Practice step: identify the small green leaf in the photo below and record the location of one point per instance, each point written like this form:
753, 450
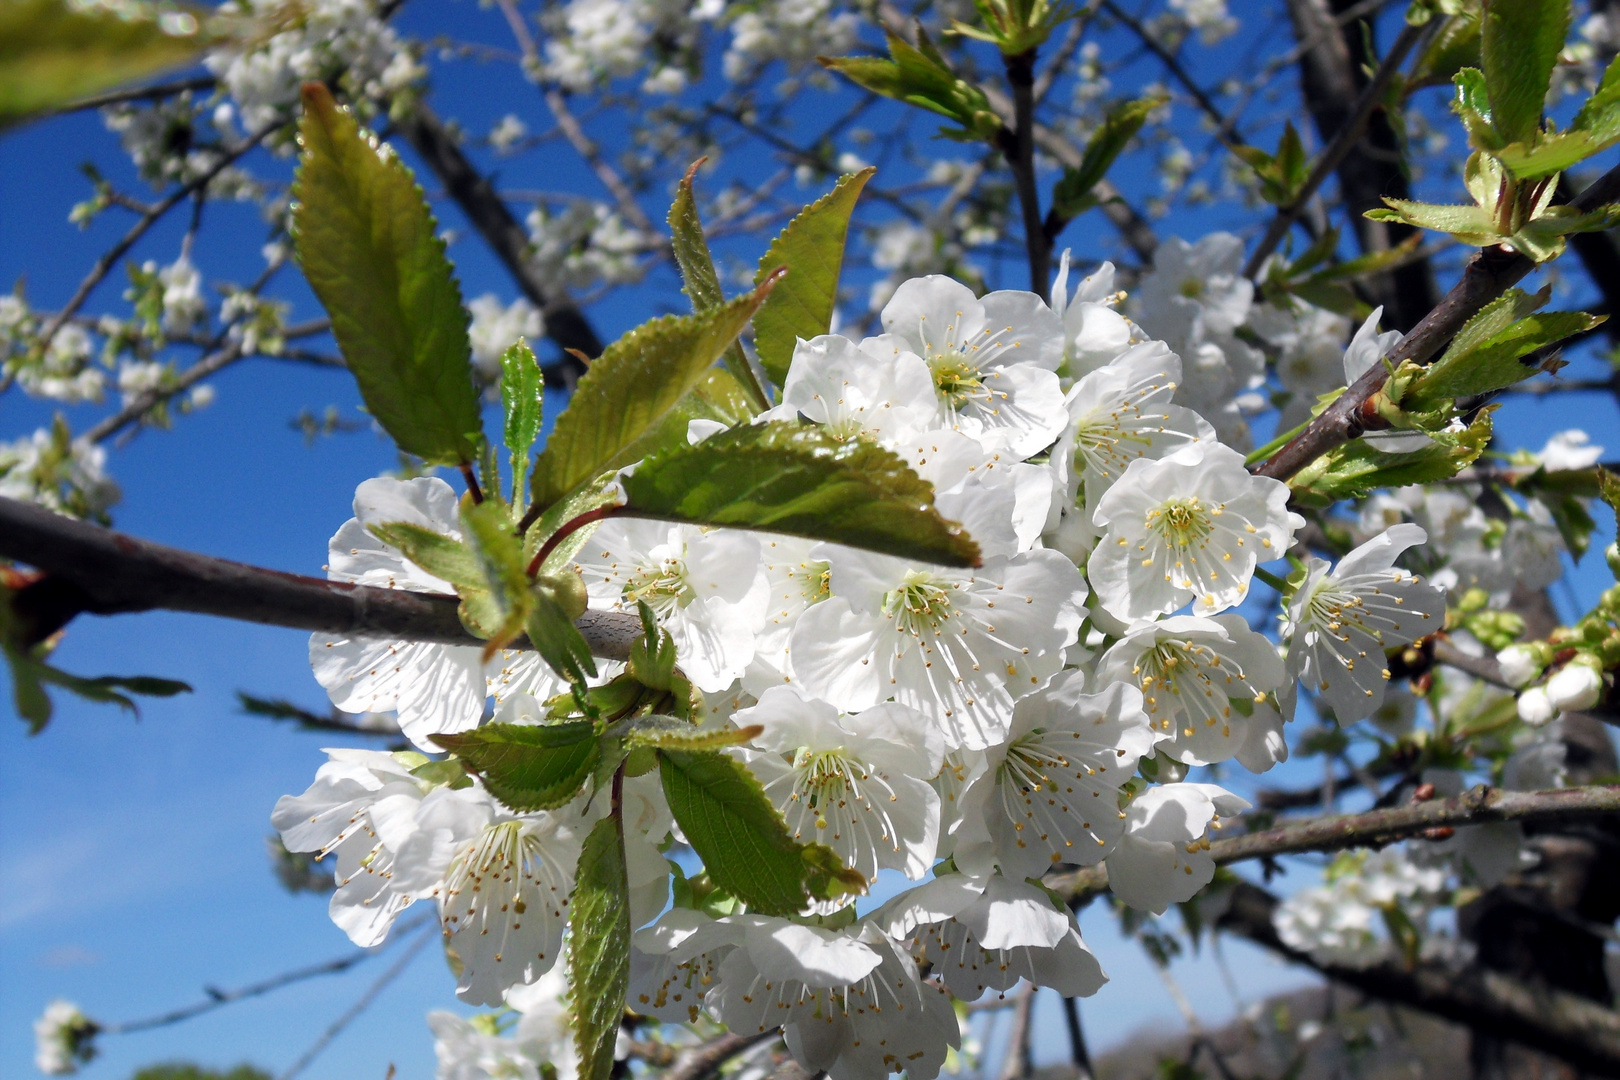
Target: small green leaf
652, 655
672, 733
1471, 224
499, 554
796, 479
742, 840
1356, 468
438, 554
599, 947
630, 388
1494, 363
1073, 194
1608, 483
1519, 45
28, 676
691, 251
812, 246
55, 52
523, 396
552, 632
528, 766
1600, 115
1472, 105
1455, 46
368, 244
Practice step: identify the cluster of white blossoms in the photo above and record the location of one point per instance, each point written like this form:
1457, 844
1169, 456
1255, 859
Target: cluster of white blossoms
495, 327
969, 730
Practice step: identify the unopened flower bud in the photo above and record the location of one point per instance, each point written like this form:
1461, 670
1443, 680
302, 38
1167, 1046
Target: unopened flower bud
1612, 554
1535, 708
1575, 687
1519, 664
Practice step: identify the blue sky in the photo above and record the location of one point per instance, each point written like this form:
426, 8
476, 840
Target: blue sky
132, 865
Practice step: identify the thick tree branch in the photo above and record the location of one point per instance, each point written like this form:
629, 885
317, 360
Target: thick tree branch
1489, 273
1569, 1027
566, 325
95, 570
1476, 806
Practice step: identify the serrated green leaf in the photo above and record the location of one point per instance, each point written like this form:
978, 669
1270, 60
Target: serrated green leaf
1469, 223
1519, 45
1454, 47
1073, 194
523, 398
702, 283
553, 634
599, 947
672, 733
503, 576
797, 479
1472, 105
55, 52
528, 766
1494, 363
1608, 485
1552, 154
1355, 468
652, 655
1492, 319
631, 386
742, 840
438, 554
812, 246
1600, 114
368, 244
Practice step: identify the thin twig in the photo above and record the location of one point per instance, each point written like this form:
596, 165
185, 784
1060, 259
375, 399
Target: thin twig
360, 1006
1344, 141
110, 257
1489, 273
1018, 146
218, 999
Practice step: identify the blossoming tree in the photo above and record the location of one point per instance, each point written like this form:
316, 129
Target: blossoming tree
986, 599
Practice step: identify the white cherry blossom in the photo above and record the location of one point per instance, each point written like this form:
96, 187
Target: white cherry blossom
858, 784
1191, 526
437, 689
1163, 858
1094, 334
959, 646
1121, 412
1050, 794
1366, 349
1208, 685
993, 361
987, 933
361, 808
850, 1003
878, 389
1340, 623
706, 588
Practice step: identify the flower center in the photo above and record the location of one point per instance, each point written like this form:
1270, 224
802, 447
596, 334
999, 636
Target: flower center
662, 586
919, 604
1192, 288
956, 379
1180, 522
1028, 760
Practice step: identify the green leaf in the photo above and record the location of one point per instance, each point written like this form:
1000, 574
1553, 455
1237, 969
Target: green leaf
742, 840
672, 733
369, 247
553, 634
1600, 115
1552, 154
503, 583
1495, 362
528, 766
1608, 483
812, 246
28, 676
1455, 46
55, 52
630, 388
1519, 45
438, 554
1073, 194
1471, 224
1280, 175
599, 947
1355, 468
1473, 107
791, 478
652, 655
523, 401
